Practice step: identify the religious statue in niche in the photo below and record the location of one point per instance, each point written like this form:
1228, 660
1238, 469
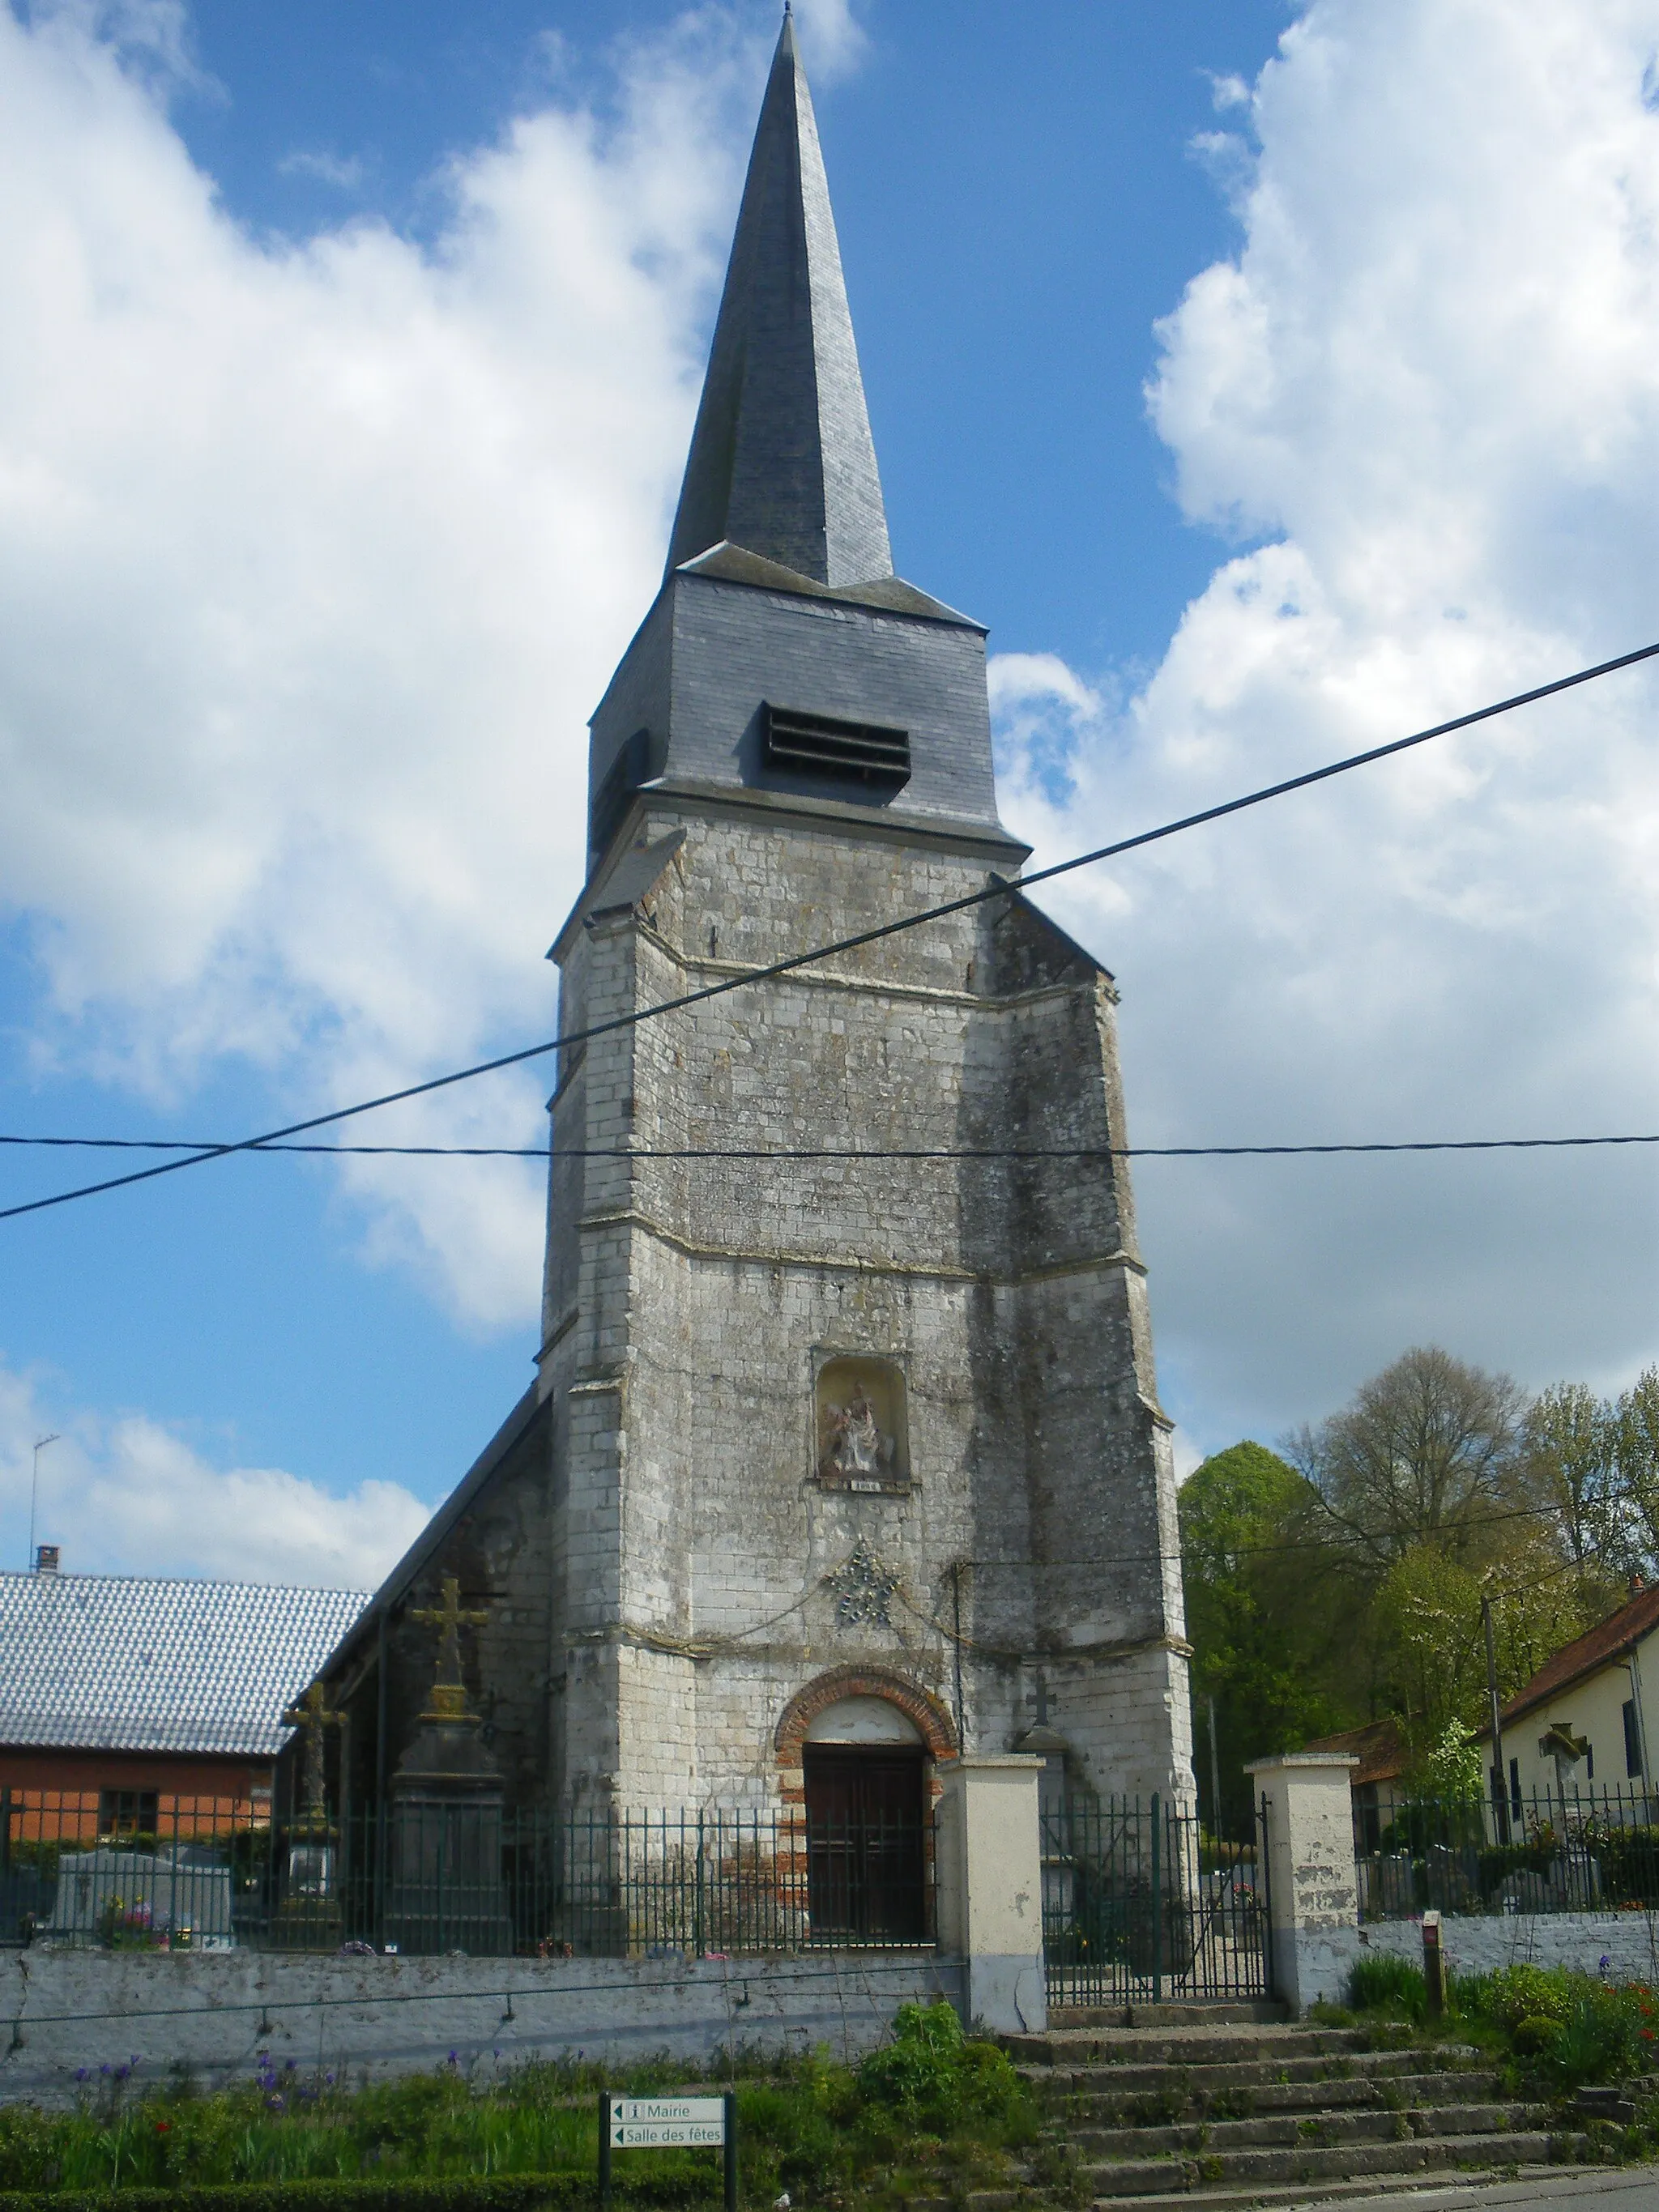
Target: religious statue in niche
861, 1425
855, 1444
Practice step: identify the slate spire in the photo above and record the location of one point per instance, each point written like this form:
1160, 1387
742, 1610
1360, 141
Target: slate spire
782, 460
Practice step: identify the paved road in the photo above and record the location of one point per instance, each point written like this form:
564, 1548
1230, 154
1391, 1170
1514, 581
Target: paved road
1623, 2189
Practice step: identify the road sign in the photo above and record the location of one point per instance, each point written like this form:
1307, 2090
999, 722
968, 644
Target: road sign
669, 2124
654, 2123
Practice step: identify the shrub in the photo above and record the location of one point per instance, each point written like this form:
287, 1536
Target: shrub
934, 2078
1600, 2040
1573, 2028
1513, 1994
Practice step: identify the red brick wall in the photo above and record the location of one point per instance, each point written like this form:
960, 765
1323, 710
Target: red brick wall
56, 1793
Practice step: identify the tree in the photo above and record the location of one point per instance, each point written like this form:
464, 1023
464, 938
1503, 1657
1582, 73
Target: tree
1635, 1447
1264, 1615
1570, 1442
1430, 1655
1427, 1454
1450, 1769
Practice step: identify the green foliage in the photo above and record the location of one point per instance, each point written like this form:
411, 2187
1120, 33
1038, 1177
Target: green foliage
543, 2193
807, 2126
1346, 1586
1565, 2029
936, 2079
1513, 1994
1571, 1437
1384, 1983
1629, 1860
1266, 1612
1427, 1621
1635, 1447
1604, 2038
1569, 2028
1451, 1771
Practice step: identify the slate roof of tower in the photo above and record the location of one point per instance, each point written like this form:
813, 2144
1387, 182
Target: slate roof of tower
122, 1663
782, 462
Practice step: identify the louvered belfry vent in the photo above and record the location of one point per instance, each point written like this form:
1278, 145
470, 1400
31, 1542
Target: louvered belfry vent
823, 744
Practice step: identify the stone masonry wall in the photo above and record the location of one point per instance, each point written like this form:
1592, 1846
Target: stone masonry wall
500, 1551
688, 1300
210, 2017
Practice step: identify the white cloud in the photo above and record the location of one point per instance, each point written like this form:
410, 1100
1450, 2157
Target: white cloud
121, 1493
344, 171
314, 557
1430, 377
833, 42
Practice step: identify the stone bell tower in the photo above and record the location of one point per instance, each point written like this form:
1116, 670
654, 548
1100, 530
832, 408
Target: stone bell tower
852, 1461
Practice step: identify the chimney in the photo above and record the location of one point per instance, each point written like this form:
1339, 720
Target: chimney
1637, 1585
46, 1558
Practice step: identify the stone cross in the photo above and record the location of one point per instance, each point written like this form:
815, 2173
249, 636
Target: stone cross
448, 1698
312, 1716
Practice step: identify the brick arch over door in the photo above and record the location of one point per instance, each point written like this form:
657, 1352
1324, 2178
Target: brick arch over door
932, 1720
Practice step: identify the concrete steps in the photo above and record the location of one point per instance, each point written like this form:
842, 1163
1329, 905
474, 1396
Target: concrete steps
1203, 2104
1156, 2103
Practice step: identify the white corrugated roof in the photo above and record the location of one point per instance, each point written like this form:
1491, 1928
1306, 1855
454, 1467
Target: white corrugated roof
124, 1663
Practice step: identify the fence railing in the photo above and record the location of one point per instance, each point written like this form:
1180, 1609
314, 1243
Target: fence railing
1140, 1903
432, 1876
1588, 1849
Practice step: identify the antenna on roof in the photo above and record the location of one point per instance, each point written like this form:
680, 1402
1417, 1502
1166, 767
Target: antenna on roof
40, 1444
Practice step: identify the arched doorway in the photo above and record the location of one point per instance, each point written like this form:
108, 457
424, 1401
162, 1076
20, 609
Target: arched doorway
864, 1772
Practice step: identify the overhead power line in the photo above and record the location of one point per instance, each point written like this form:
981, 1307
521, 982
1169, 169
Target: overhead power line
210, 1148
270, 1137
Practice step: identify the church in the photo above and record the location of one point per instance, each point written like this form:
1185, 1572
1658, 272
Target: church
844, 1454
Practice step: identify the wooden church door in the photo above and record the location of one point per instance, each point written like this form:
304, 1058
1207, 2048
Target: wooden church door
866, 1864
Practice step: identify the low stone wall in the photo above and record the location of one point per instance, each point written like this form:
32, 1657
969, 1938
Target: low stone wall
1324, 1957
1628, 1941
211, 2015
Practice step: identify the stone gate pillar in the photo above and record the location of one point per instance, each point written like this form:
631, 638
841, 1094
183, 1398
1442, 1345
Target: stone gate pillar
990, 1888
1311, 1875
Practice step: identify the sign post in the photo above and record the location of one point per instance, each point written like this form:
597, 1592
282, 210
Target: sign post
668, 2123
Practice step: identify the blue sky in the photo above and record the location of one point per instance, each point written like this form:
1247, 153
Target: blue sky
1018, 198
1263, 407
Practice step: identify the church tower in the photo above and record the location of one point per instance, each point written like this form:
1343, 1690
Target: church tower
847, 1462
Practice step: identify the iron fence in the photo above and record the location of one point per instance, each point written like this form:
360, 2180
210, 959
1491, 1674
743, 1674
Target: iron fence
1139, 1904
434, 1876
1588, 1849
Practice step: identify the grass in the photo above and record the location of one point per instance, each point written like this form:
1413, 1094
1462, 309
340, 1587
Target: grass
1548, 2031
931, 2107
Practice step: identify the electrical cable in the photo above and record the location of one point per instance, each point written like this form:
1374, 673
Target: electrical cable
799, 960
209, 1147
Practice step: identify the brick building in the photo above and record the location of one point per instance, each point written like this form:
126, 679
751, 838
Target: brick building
130, 1704
831, 1467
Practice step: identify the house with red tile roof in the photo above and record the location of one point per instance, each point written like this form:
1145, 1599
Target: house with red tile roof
1584, 1722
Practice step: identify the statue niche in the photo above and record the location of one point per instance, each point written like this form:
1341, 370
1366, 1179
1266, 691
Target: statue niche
860, 1420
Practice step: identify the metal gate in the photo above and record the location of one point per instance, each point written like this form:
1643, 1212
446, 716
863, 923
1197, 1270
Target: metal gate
1139, 1905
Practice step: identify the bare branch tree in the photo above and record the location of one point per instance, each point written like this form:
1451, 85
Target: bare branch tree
1428, 1453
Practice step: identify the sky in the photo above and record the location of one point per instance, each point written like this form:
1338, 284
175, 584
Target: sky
1272, 379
